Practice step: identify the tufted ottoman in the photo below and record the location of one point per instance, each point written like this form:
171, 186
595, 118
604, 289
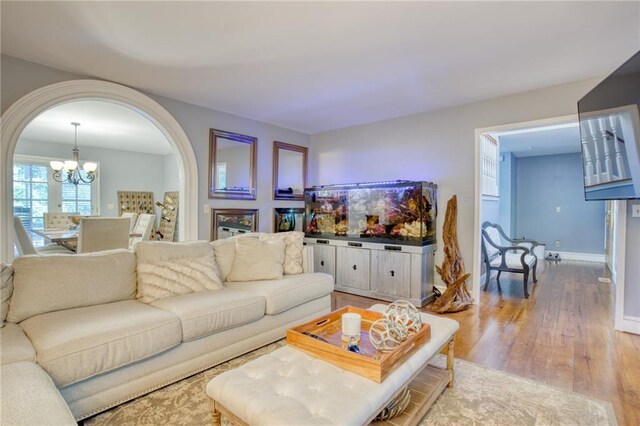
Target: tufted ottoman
289, 387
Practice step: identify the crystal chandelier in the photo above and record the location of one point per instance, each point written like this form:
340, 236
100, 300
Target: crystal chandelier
69, 171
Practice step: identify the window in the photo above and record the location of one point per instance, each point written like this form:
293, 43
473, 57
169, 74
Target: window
222, 175
35, 192
489, 159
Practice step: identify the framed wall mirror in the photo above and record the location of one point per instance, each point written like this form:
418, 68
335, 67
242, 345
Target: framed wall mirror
227, 223
289, 171
232, 165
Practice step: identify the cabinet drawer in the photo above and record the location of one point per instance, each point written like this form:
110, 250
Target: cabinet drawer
352, 268
324, 259
391, 273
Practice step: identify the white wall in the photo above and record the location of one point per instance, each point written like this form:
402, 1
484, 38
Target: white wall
20, 77
436, 146
119, 170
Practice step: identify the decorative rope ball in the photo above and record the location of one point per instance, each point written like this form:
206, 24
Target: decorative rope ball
405, 315
386, 334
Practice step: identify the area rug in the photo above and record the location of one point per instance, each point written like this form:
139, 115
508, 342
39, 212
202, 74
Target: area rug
481, 396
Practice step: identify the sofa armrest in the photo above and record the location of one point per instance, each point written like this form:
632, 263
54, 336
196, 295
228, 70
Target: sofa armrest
307, 259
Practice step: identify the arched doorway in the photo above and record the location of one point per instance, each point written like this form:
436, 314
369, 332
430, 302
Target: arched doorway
20, 114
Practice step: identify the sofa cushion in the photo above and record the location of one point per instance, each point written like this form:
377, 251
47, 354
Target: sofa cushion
294, 242
291, 291
6, 290
15, 346
29, 397
44, 284
169, 269
202, 314
257, 260
75, 344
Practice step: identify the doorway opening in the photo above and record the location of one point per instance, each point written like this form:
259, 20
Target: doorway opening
18, 117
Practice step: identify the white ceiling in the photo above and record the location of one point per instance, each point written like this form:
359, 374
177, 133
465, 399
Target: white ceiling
542, 141
102, 125
316, 66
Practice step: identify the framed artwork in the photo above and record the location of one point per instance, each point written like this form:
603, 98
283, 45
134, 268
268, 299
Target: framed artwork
227, 223
288, 219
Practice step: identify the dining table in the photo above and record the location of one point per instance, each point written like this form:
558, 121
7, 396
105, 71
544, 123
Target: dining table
65, 237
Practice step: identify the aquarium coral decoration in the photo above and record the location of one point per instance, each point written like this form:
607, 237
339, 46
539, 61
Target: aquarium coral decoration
456, 298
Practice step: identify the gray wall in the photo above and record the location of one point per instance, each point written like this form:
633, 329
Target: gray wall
436, 146
508, 178
119, 170
20, 77
550, 181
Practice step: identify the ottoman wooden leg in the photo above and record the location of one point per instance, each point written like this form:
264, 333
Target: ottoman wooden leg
216, 415
450, 361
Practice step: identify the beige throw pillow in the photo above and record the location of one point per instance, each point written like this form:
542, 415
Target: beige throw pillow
170, 269
257, 260
293, 251
6, 288
225, 252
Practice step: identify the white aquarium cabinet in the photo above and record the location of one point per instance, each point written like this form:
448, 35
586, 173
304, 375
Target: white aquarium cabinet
378, 270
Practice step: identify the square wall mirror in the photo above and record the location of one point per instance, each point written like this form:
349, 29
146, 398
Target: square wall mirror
232, 165
227, 223
289, 171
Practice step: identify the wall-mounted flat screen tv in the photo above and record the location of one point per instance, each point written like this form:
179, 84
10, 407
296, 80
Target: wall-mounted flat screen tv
610, 135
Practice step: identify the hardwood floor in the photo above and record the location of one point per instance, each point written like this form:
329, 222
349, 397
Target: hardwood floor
562, 335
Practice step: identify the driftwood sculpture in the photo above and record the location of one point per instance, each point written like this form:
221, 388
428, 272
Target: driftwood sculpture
456, 298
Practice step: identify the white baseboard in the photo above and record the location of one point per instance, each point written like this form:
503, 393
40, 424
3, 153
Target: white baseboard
629, 324
587, 257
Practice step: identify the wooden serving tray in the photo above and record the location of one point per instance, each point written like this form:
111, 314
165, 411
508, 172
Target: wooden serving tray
370, 362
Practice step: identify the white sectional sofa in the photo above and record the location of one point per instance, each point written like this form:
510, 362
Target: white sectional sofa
78, 331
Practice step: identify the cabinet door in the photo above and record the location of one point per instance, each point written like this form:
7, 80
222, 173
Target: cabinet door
391, 273
324, 259
353, 268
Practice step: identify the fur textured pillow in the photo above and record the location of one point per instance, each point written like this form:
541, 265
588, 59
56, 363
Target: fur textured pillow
257, 260
170, 269
293, 251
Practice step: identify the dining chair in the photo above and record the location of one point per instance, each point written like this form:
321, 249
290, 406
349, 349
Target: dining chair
58, 219
103, 233
144, 226
25, 245
133, 217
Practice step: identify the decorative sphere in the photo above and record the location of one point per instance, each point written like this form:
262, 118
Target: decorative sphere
405, 315
385, 334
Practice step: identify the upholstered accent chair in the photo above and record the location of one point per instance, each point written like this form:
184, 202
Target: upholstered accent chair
503, 254
133, 217
144, 226
24, 244
103, 233
58, 219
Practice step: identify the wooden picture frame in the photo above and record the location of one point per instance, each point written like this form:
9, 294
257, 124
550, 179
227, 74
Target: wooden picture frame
236, 223
277, 146
233, 193
280, 213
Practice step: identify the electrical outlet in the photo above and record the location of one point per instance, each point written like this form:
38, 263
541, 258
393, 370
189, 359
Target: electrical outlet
557, 243
558, 209
635, 210
111, 206
206, 209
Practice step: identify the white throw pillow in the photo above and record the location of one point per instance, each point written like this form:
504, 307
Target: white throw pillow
257, 260
293, 252
169, 269
225, 251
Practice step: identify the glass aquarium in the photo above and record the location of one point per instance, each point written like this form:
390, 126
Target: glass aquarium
400, 212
